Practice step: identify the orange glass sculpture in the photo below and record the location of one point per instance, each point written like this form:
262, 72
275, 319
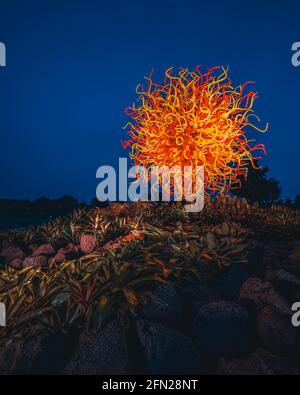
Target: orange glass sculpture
194, 118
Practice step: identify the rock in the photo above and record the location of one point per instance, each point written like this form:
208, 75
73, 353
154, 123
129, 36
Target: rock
293, 268
2, 262
167, 351
261, 362
285, 283
44, 249
255, 259
48, 358
295, 256
88, 243
228, 284
222, 328
164, 307
101, 353
35, 261
36, 354
192, 297
9, 355
276, 333
255, 294
18, 356
16, 263
11, 253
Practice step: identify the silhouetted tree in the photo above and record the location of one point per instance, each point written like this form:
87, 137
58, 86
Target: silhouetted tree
297, 202
288, 203
62, 205
258, 187
66, 203
42, 204
12, 206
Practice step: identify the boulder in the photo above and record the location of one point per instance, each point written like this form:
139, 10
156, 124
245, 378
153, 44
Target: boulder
261, 362
276, 333
192, 297
293, 268
9, 356
229, 283
295, 255
255, 294
18, 356
167, 351
222, 328
164, 306
287, 284
255, 258
49, 360
101, 353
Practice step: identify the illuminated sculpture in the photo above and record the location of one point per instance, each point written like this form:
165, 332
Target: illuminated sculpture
194, 119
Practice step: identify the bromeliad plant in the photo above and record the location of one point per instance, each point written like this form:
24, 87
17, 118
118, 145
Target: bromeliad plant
77, 294
116, 221
139, 245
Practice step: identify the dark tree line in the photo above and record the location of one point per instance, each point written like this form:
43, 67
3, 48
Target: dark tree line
64, 204
258, 187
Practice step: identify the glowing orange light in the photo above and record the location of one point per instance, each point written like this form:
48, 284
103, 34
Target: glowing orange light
194, 119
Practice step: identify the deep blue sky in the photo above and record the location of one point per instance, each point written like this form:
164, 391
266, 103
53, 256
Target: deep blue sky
72, 68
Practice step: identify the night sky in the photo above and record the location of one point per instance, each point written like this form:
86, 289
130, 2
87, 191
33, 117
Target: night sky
72, 68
